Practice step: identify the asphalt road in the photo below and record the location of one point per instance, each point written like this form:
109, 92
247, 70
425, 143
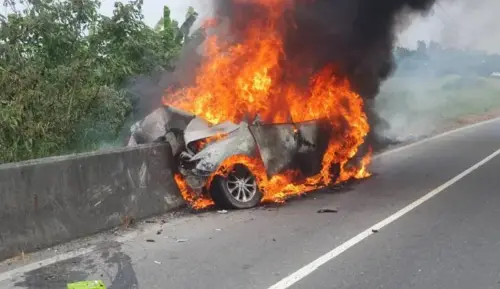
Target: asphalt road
438, 202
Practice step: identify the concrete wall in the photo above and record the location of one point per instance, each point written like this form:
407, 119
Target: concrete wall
48, 201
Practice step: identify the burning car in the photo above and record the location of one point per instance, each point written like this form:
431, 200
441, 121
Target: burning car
258, 119
202, 150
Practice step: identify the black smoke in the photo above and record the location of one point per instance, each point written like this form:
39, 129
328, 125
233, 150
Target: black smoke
357, 36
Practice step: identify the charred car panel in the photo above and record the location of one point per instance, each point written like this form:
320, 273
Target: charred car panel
277, 146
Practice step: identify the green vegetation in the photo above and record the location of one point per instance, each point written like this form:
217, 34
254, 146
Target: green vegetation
62, 71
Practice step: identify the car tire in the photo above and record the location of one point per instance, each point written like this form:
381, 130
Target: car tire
238, 190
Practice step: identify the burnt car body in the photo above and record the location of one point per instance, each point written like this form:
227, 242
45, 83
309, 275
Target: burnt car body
281, 147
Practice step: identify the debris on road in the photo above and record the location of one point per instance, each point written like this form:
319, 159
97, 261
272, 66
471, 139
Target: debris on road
159, 232
150, 222
158, 262
374, 230
222, 212
181, 240
322, 211
150, 240
218, 230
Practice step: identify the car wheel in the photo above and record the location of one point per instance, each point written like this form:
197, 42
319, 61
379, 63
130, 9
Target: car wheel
238, 190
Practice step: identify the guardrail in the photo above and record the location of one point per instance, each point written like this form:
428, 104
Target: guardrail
49, 201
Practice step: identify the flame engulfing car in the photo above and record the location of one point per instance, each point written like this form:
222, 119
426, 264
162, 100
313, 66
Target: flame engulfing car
200, 148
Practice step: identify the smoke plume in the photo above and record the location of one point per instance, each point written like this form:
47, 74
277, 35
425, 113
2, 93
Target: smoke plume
356, 35
464, 24
452, 78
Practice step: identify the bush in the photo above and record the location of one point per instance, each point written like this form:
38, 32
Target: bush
62, 69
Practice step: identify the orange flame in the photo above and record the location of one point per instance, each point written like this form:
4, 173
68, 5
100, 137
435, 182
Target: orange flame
196, 202
246, 78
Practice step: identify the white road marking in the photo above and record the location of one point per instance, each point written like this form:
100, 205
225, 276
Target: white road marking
311, 267
11, 274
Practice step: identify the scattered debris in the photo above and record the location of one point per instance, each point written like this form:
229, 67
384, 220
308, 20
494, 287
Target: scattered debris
218, 230
159, 232
374, 230
158, 262
163, 221
181, 240
274, 240
150, 222
150, 240
222, 212
322, 211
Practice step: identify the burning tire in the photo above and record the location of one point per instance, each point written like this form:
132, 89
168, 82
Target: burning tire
239, 190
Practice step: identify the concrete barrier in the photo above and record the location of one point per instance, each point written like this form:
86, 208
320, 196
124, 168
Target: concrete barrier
49, 201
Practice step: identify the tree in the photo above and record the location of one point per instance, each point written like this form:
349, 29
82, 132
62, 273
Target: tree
62, 69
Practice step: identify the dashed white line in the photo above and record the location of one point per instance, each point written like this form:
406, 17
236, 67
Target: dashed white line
311, 267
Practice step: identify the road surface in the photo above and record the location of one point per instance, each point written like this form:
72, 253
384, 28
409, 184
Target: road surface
428, 218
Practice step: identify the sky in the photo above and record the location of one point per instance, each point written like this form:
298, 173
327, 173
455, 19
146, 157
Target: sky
470, 24
457, 23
